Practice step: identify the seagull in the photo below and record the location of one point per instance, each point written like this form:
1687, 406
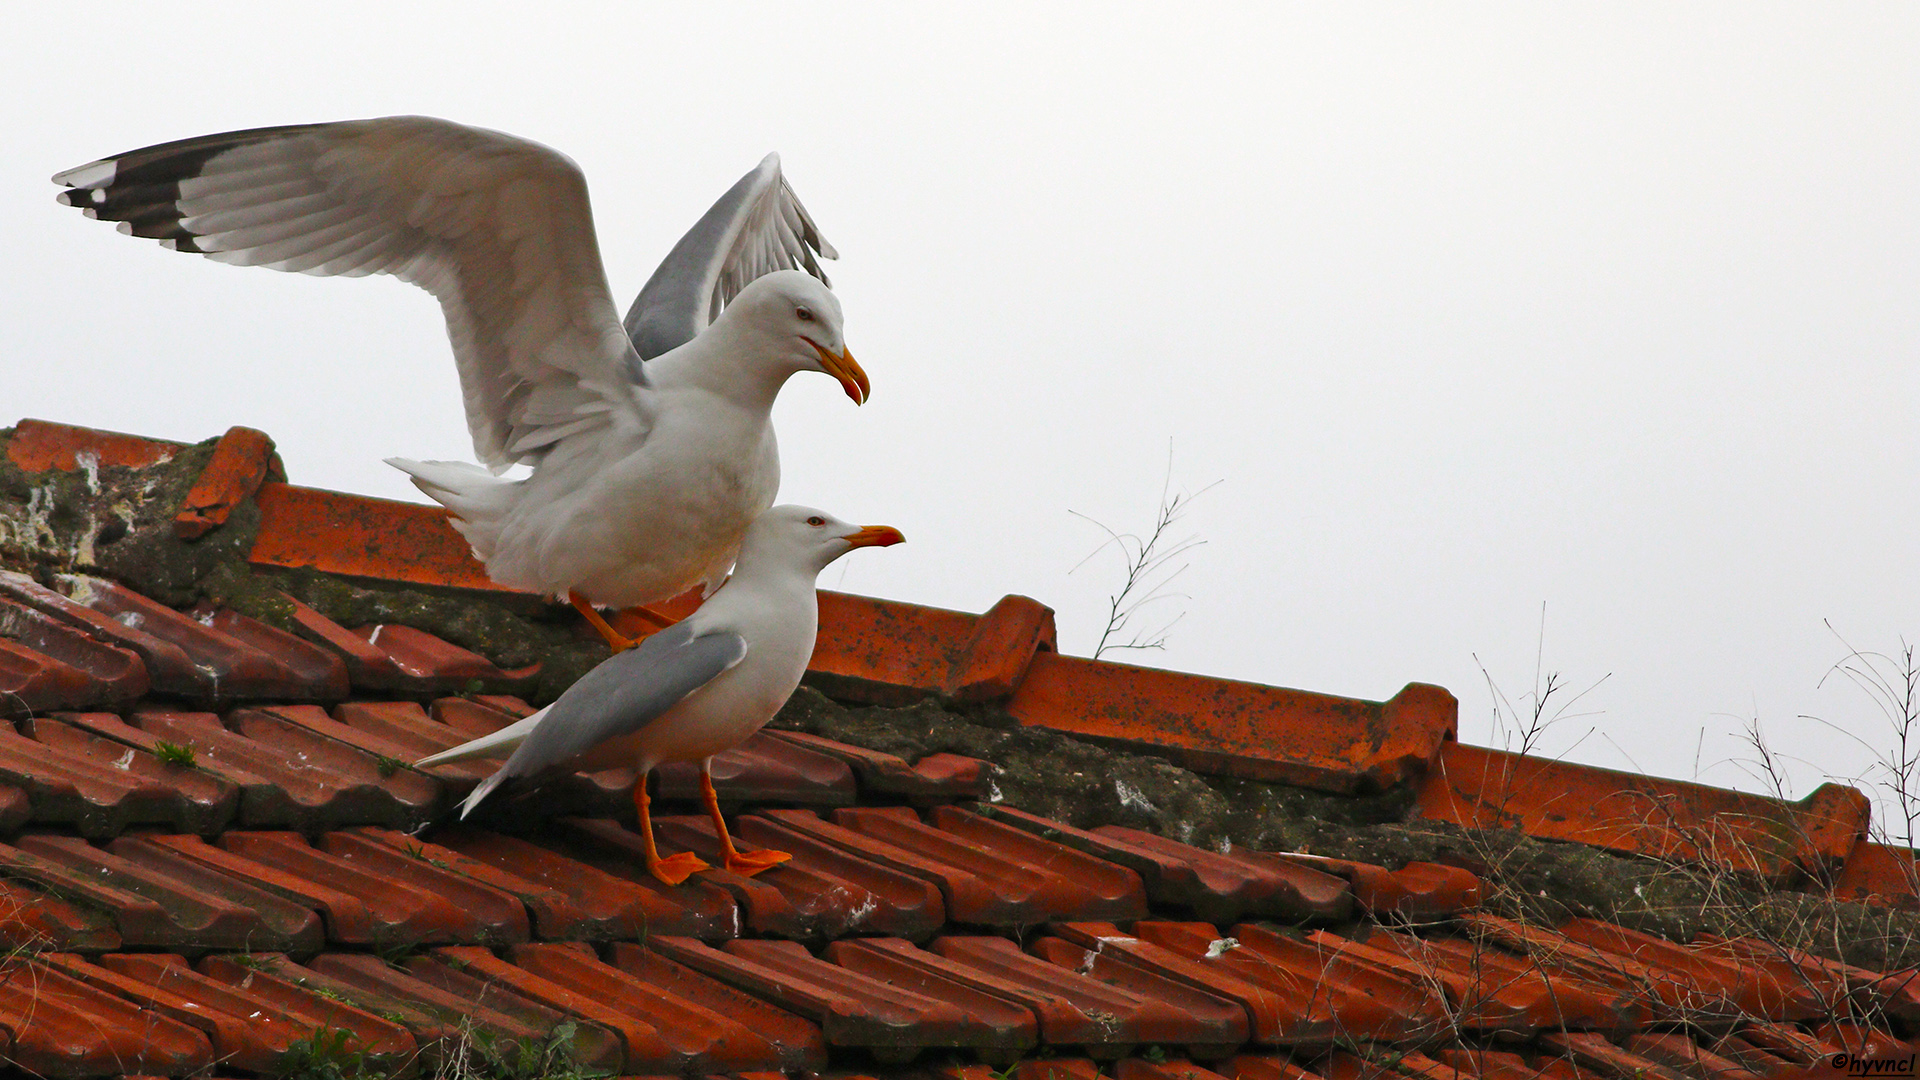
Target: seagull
694, 689
650, 442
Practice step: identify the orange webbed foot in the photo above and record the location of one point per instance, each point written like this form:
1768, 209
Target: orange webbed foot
675, 869
749, 863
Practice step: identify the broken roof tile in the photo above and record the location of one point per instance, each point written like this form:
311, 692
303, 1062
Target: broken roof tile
240, 461
1645, 815
1241, 729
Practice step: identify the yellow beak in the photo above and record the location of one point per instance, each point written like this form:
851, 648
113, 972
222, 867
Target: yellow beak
843, 367
876, 536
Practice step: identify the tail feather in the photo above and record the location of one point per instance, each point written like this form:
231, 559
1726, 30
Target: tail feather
479, 500
497, 745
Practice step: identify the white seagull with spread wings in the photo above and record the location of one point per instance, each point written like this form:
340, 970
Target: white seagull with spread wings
651, 444
694, 689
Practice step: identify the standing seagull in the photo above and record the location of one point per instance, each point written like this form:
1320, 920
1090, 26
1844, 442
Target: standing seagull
645, 476
694, 689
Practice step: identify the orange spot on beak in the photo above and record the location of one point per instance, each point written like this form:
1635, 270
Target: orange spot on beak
843, 367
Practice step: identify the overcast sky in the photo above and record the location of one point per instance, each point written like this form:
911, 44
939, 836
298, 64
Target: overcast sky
1468, 309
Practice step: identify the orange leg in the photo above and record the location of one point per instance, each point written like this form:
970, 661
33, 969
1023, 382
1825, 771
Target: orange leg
748, 864
673, 869
615, 639
652, 616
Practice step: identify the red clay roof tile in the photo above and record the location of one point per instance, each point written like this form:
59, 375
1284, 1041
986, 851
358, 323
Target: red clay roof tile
366, 791
1331, 996
1219, 888
704, 910
384, 1041
476, 975
1241, 729
1879, 874
1669, 819
875, 898
107, 676
363, 537
79, 791
39, 445
797, 1043
852, 1009
700, 1038
992, 874
54, 1024
1489, 989
31, 920
202, 909
241, 460
495, 1013
566, 899
199, 801
259, 663
934, 779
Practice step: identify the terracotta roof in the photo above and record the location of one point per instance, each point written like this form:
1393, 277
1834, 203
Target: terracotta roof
215, 857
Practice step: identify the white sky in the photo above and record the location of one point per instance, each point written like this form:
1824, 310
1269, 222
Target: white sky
1608, 307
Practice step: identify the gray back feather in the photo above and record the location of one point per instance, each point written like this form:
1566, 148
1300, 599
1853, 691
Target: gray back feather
619, 697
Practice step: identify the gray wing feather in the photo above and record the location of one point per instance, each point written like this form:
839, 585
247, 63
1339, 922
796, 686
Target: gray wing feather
621, 696
757, 227
495, 226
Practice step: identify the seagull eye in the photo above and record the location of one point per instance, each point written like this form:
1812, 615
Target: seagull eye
816, 521
805, 314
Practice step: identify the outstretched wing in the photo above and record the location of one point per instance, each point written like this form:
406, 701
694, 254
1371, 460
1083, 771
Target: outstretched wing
619, 697
496, 227
757, 227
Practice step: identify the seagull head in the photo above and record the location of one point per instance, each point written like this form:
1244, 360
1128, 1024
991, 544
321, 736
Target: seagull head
802, 319
805, 539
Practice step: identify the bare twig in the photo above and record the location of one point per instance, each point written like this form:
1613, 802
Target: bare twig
1147, 573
